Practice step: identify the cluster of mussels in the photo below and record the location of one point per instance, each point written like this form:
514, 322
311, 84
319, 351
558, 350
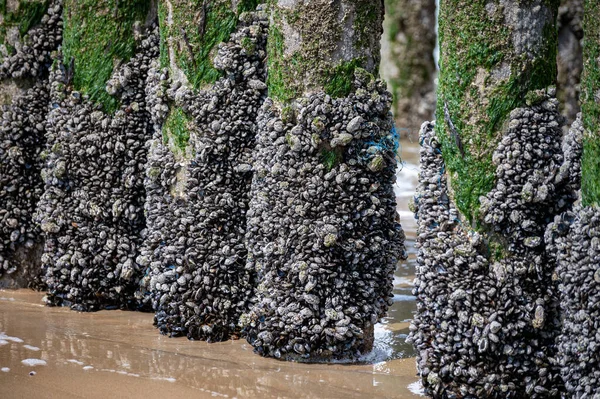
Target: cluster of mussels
33, 55
22, 134
487, 312
323, 233
573, 239
197, 196
22, 140
91, 211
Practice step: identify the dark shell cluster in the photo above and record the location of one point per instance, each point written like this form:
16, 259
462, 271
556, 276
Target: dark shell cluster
33, 55
22, 129
323, 233
487, 312
197, 197
575, 238
185, 200
91, 212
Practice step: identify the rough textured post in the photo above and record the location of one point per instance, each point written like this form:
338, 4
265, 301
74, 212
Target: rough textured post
590, 107
570, 57
92, 208
407, 61
205, 101
29, 31
574, 237
493, 176
492, 56
323, 233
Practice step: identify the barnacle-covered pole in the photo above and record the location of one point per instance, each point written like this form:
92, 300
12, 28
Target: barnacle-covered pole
574, 237
407, 61
29, 32
569, 57
91, 211
323, 233
205, 97
491, 180
590, 106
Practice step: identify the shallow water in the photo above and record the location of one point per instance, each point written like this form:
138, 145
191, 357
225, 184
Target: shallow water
58, 353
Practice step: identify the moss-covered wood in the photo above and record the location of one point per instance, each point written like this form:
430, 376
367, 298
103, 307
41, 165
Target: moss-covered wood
317, 45
407, 61
570, 58
191, 30
98, 35
492, 55
17, 17
590, 105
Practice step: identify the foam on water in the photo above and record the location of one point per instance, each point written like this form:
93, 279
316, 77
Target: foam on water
406, 179
213, 393
88, 367
5, 337
169, 379
75, 361
122, 372
382, 346
403, 298
398, 281
3, 298
5, 369
416, 388
31, 347
34, 362
408, 170
3, 342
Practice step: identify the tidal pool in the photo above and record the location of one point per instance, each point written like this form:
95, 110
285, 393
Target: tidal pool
58, 353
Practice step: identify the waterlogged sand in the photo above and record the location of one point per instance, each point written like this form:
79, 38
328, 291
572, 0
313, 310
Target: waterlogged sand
120, 354
115, 354
406, 182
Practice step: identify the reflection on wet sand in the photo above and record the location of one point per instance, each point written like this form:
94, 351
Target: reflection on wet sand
83, 349
120, 354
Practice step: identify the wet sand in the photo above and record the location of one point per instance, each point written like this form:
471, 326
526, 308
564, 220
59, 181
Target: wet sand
115, 354
130, 359
406, 183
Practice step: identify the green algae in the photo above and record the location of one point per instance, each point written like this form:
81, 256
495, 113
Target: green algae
339, 81
97, 36
26, 16
198, 26
475, 45
176, 130
590, 106
315, 64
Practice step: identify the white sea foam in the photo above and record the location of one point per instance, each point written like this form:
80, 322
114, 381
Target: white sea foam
416, 388
382, 345
88, 367
5, 337
122, 372
5, 369
34, 362
403, 298
404, 281
169, 379
31, 347
75, 361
